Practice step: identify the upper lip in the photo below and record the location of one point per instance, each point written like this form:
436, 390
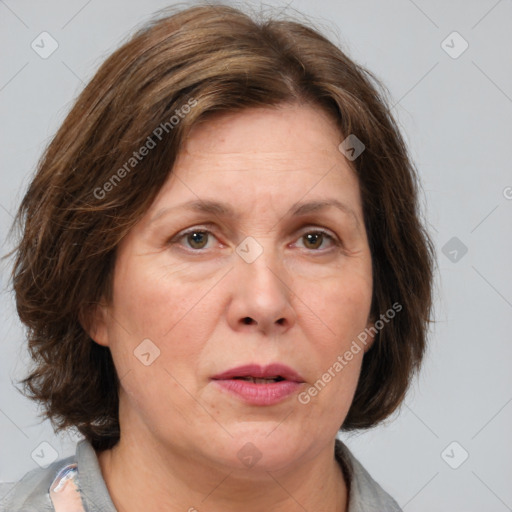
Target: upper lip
261, 372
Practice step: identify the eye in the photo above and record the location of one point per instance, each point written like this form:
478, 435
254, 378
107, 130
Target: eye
196, 238
314, 239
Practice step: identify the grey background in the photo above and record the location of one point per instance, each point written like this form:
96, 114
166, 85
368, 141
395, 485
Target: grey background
456, 114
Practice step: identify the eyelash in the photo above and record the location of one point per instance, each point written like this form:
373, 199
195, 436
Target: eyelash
199, 229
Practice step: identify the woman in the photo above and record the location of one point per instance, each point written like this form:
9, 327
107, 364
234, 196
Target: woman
222, 265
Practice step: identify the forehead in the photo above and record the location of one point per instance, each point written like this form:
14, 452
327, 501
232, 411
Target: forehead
284, 129
284, 154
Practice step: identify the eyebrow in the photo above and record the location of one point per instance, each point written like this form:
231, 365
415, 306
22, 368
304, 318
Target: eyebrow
224, 210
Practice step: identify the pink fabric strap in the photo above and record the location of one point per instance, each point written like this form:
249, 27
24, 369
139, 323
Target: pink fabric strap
64, 491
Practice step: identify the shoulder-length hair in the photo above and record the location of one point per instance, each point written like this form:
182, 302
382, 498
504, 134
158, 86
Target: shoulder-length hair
95, 181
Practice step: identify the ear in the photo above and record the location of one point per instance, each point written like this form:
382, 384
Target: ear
93, 319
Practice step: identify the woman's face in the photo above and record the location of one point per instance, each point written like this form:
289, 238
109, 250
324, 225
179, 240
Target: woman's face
243, 281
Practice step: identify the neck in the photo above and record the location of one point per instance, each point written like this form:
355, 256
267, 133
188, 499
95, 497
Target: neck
142, 476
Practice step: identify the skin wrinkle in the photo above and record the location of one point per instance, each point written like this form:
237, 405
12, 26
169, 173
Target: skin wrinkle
185, 432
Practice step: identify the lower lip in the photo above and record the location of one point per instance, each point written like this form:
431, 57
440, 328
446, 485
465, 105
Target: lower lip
260, 394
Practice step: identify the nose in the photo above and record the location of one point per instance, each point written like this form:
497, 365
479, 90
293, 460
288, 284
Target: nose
260, 296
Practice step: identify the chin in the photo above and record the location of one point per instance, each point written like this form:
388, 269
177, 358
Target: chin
264, 448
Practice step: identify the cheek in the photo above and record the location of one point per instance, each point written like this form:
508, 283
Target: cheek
336, 360
162, 307
325, 401
156, 342
159, 300
341, 305
338, 305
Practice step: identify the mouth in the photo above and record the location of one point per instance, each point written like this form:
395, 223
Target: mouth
257, 385
256, 380
257, 374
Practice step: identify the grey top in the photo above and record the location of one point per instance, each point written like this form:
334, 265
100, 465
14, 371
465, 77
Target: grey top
31, 493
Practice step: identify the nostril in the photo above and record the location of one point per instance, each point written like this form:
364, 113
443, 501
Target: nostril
247, 320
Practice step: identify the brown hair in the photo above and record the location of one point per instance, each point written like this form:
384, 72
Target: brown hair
81, 203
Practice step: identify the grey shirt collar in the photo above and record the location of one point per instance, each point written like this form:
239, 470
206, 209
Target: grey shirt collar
31, 494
